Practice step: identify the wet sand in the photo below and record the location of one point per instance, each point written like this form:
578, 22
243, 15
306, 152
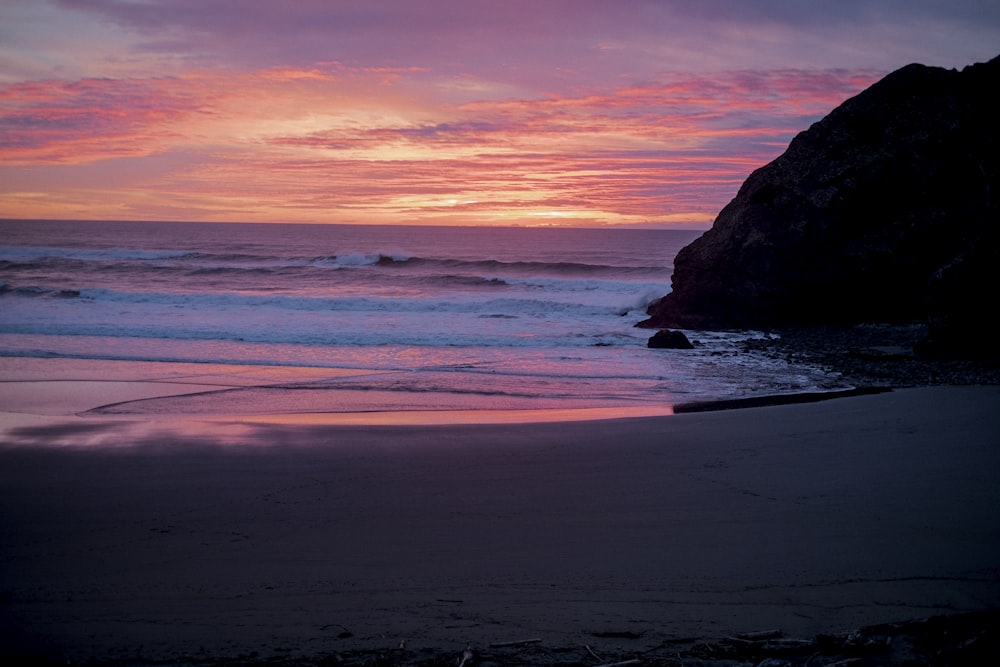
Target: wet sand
175, 538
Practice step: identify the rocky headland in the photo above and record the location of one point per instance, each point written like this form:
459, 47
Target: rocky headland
884, 212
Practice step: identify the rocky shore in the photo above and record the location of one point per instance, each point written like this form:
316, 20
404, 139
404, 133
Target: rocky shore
877, 355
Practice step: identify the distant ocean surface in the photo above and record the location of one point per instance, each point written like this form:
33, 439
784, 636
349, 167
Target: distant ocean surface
443, 317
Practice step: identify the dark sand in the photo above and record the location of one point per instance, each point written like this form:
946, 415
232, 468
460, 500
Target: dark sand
175, 540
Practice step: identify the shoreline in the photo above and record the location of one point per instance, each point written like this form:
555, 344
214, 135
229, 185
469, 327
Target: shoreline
770, 400
866, 358
35, 388
874, 358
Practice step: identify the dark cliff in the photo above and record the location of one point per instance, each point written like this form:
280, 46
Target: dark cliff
885, 210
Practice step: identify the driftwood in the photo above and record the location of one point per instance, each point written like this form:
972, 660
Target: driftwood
633, 661
518, 642
760, 635
972, 638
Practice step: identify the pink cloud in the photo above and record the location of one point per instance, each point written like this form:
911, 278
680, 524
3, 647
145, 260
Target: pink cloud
80, 121
537, 45
297, 143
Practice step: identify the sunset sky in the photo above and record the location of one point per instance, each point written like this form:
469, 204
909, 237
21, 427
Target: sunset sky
569, 112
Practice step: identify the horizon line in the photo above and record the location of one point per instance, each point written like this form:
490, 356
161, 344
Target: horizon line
676, 226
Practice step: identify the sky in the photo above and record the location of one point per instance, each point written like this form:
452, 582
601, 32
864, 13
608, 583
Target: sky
521, 112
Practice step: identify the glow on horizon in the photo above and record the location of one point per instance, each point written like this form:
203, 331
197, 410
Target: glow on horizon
162, 111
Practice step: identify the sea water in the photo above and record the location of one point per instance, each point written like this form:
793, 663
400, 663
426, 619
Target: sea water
432, 318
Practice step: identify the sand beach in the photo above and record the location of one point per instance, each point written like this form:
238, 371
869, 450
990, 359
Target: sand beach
178, 538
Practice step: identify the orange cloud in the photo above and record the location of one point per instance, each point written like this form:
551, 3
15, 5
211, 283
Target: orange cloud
334, 143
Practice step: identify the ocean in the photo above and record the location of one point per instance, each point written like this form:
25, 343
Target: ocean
431, 318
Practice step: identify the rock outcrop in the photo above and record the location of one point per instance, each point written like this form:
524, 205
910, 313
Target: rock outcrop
667, 339
886, 210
